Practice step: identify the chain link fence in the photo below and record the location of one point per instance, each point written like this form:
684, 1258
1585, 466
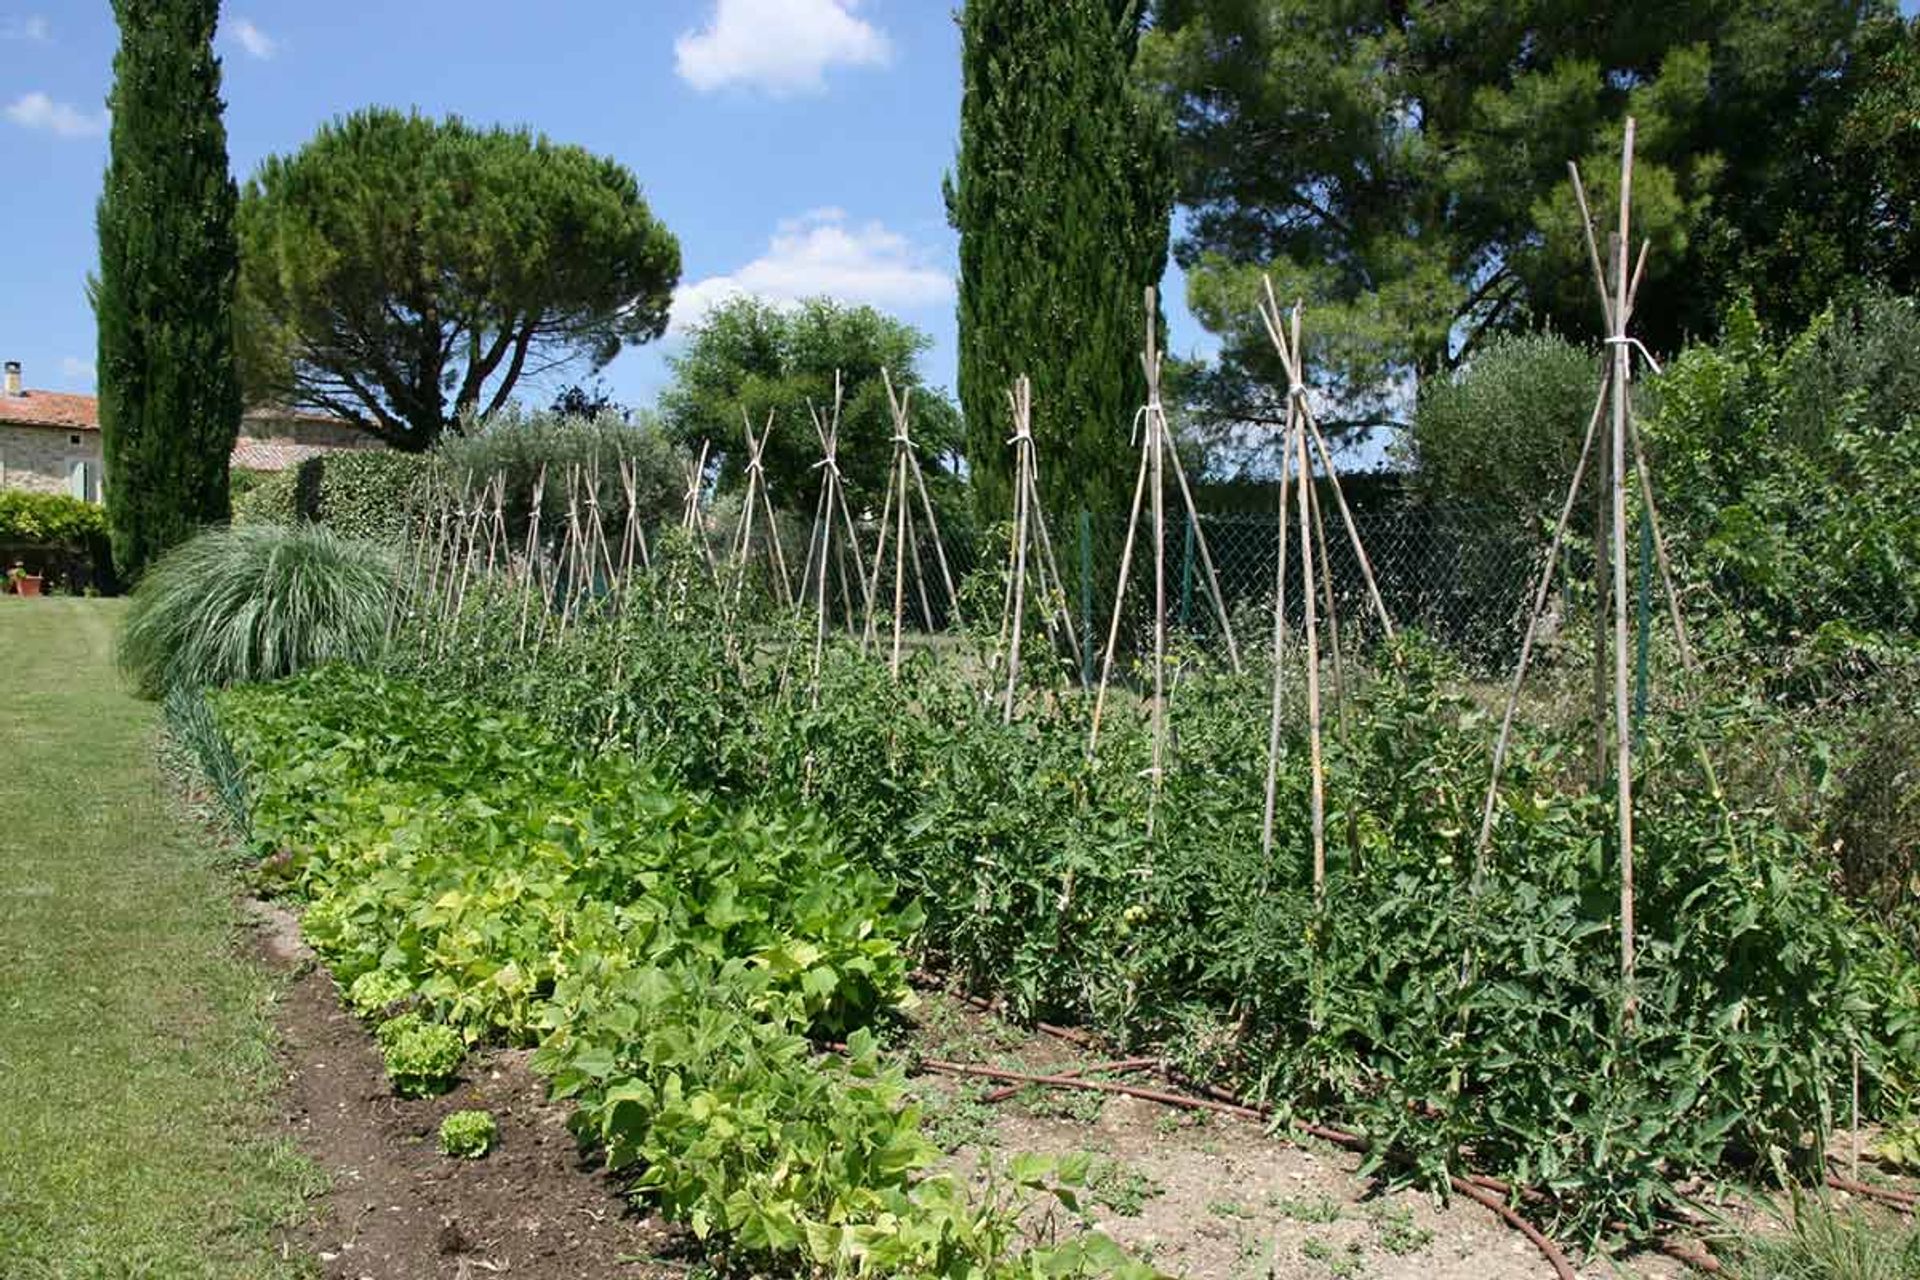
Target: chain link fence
1459, 575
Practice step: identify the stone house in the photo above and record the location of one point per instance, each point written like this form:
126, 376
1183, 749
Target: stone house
50, 440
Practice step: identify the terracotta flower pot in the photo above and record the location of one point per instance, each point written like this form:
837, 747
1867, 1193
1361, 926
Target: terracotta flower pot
27, 584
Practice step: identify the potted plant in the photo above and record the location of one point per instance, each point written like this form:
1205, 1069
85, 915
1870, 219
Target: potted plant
22, 582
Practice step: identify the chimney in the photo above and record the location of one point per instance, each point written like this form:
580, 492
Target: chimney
13, 378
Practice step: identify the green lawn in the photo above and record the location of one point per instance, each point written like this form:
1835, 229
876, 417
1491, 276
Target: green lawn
135, 1064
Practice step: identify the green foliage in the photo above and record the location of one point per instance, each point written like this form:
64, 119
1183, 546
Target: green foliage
1038, 880
253, 603
50, 517
369, 494
747, 359
191, 724
366, 494
1795, 470
1824, 1242
1061, 196
671, 958
468, 1135
378, 990
1402, 166
389, 235
274, 499
521, 445
1834, 207
421, 1057
169, 385
1505, 430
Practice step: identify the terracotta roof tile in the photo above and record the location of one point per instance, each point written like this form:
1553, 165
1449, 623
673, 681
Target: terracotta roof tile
50, 409
276, 455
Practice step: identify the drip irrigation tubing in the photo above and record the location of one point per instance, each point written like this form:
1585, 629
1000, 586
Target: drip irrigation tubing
1124, 1064
1491, 1192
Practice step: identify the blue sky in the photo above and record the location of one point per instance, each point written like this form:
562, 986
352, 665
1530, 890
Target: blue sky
794, 146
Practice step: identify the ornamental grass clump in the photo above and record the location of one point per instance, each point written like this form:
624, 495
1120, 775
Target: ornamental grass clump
251, 603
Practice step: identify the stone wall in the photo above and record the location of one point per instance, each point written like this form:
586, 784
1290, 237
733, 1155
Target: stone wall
36, 458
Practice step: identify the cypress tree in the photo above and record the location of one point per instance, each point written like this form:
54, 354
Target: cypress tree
1062, 199
169, 384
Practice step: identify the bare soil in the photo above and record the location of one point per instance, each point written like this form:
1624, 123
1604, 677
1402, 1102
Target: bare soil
533, 1208
1202, 1195
1213, 1197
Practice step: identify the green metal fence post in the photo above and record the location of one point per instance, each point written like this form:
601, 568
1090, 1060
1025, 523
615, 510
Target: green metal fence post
1645, 621
1086, 598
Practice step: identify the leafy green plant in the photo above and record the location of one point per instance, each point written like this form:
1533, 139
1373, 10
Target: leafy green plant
369, 493
1037, 880
468, 1135
1396, 1230
672, 960
421, 1057
1300, 1209
377, 991
1121, 1187
253, 603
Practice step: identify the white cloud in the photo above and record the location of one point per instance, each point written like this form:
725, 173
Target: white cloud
779, 46
256, 42
37, 111
821, 253
74, 369
33, 27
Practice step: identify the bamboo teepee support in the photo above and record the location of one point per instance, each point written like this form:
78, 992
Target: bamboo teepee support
1030, 543
757, 499
906, 482
1618, 288
534, 554
831, 508
1157, 449
1301, 443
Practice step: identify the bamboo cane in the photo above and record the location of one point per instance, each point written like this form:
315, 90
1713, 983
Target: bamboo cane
1623, 736
1021, 397
1541, 588
1279, 644
1313, 682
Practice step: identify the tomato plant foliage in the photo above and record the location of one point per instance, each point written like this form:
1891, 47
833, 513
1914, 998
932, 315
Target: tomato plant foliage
1441, 1017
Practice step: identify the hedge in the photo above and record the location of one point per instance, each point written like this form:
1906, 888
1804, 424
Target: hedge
362, 494
57, 537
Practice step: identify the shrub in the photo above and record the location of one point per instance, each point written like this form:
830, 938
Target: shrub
519, 445
253, 603
468, 1135
58, 537
420, 1056
1794, 469
50, 517
362, 493
273, 498
369, 493
1505, 431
